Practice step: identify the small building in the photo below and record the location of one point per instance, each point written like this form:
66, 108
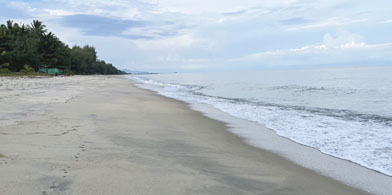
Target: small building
51, 71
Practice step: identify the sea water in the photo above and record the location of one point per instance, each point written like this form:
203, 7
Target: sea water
343, 112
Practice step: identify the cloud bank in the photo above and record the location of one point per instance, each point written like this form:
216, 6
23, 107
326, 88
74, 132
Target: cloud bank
183, 35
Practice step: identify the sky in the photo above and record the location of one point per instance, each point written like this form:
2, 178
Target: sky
218, 35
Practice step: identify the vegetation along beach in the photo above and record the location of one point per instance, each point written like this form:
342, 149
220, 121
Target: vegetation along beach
30, 48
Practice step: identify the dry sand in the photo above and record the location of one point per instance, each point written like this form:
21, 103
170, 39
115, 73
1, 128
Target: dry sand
101, 135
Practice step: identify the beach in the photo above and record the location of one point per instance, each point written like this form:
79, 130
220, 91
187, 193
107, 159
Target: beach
103, 135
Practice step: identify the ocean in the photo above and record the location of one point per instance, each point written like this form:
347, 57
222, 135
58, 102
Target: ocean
342, 112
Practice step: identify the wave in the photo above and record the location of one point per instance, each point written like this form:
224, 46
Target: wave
364, 139
300, 89
336, 113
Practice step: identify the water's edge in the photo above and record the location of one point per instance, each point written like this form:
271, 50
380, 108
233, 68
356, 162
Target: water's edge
340, 169
340, 133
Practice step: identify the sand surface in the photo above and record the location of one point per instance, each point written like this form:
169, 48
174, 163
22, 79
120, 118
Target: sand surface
101, 135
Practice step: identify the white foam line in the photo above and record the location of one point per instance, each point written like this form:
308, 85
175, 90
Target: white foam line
342, 170
259, 136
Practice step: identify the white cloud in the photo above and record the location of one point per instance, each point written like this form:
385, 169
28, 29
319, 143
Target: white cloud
217, 6
343, 48
328, 22
157, 30
60, 12
114, 8
387, 21
177, 42
343, 39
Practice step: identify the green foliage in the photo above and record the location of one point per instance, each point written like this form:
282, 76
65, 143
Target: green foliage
32, 44
4, 70
4, 65
68, 72
27, 69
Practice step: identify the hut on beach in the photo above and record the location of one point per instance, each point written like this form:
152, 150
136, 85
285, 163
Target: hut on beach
51, 71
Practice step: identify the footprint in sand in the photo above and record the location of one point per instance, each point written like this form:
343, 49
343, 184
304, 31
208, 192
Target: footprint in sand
64, 133
83, 147
65, 171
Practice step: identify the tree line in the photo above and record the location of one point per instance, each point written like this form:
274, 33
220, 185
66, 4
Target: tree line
32, 47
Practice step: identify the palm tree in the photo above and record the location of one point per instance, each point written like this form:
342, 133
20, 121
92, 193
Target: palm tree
10, 24
38, 27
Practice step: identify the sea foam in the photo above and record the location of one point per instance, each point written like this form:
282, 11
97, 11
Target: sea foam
365, 139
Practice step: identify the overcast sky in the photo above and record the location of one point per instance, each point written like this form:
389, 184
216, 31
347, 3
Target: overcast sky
210, 35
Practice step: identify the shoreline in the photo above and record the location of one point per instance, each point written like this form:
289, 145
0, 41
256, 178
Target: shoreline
342, 170
333, 119
103, 135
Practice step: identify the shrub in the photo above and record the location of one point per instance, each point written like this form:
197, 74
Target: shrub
27, 69
4, 70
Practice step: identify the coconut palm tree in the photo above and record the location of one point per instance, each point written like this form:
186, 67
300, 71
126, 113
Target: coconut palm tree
38, 27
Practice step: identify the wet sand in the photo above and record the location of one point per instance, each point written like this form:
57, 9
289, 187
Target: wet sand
102, 135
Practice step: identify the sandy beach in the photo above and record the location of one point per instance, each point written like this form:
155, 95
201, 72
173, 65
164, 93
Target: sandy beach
102, 135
